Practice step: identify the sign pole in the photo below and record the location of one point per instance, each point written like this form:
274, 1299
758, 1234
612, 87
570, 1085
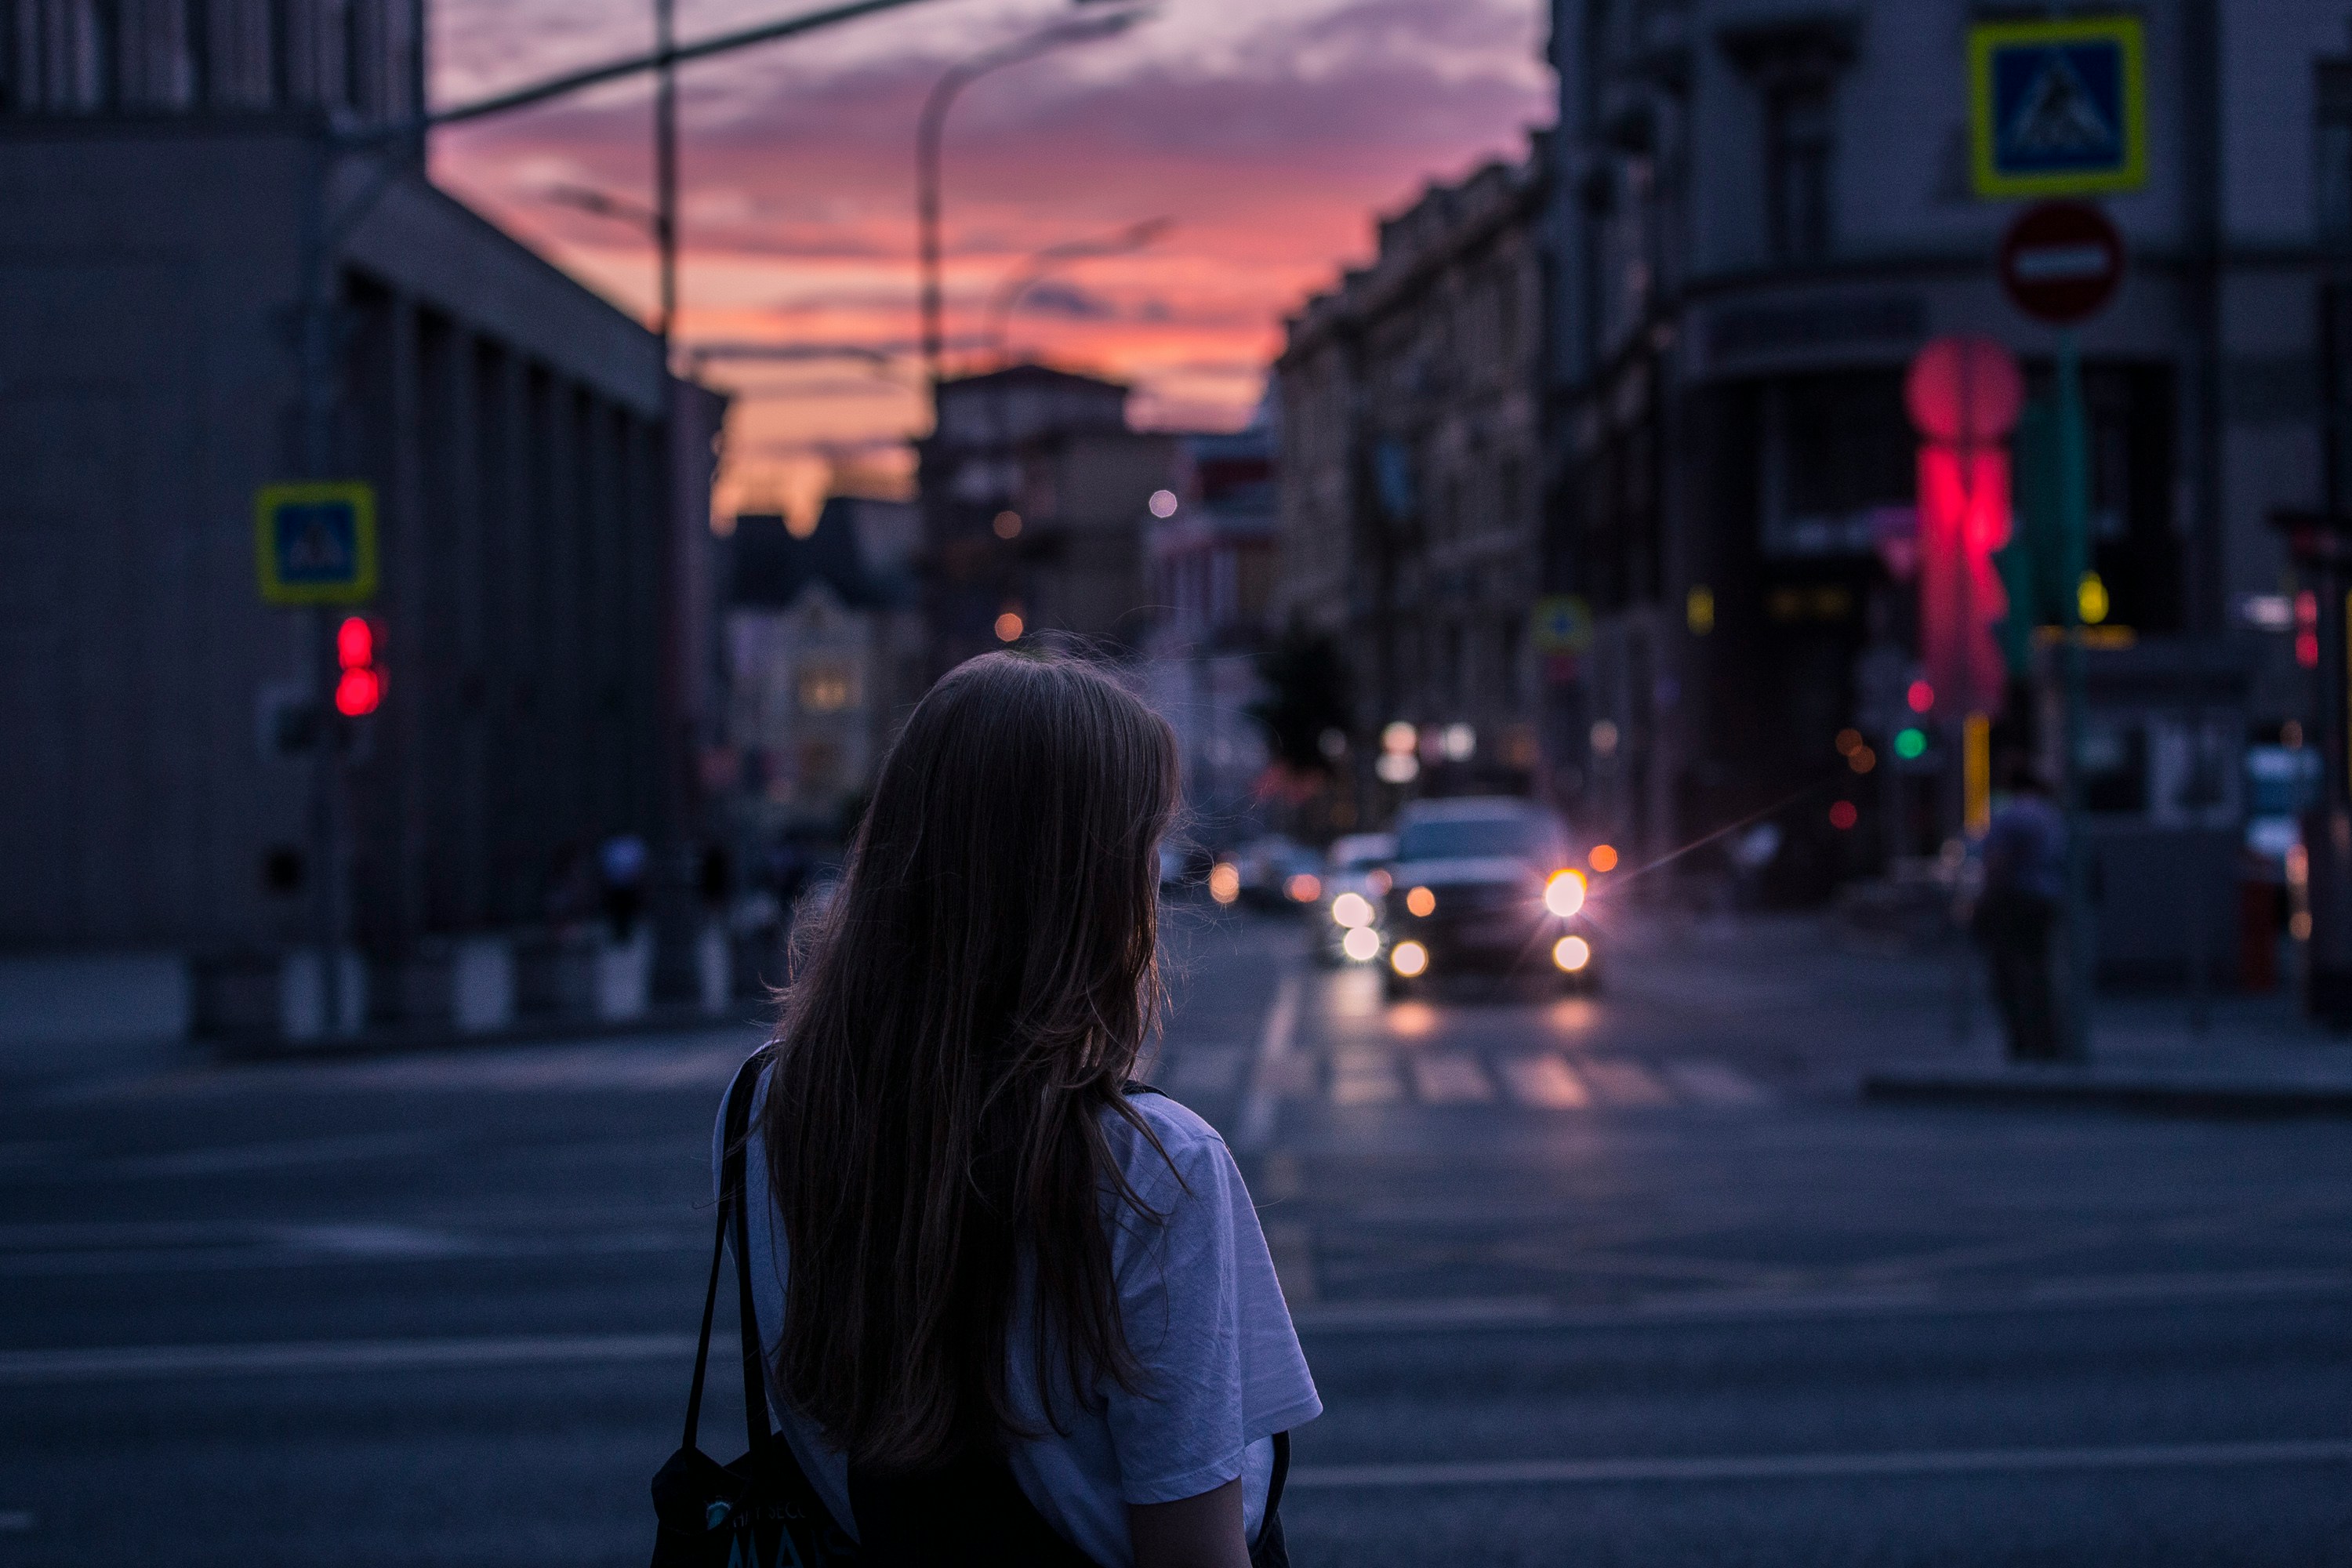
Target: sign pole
2075, 510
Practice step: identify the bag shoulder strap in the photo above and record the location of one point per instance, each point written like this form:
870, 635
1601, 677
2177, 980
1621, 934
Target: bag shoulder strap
730, 1210
1274, 1487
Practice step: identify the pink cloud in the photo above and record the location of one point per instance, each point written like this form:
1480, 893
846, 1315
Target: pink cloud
1270, 134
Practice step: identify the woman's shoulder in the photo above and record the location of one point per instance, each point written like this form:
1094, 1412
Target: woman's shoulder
1185, 1141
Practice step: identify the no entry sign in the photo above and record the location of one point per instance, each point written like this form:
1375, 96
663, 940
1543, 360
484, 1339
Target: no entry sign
2061, 261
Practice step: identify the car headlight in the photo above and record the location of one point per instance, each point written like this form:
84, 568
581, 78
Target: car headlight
1352, 910
1409, 959
1564, 894
1571, 953
1362, 943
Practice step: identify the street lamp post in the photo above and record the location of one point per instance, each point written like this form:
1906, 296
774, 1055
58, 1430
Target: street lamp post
1042, 265
933, 120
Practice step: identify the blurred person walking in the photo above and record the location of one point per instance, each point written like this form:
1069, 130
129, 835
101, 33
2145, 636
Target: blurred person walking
621, 882
2025, 859
1016, 1308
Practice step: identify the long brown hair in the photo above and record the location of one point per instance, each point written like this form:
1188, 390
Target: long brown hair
973, 1001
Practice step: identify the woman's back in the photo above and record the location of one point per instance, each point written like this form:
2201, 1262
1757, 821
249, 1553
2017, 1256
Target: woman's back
996, 1254
1204, 1316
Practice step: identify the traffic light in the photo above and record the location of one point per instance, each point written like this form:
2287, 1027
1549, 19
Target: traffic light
1963, 521
1964, 395
359, 690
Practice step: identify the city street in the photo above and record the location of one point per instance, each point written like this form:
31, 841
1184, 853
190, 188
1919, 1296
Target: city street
1633, 1278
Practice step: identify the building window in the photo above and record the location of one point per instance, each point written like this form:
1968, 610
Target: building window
826, 688
1800, 145
1835, 449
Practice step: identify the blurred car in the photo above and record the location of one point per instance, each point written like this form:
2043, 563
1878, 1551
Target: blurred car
1276, 872
1355, 880
1483, 885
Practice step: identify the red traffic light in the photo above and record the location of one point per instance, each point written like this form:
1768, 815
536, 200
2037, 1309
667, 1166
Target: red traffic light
358, 692
355, 643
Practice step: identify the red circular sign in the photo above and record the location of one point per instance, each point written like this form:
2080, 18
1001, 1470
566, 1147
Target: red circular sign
2061, 261
1964, 392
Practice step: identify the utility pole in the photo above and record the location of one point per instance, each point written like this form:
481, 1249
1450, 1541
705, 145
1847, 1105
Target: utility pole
666, 166
2074, 510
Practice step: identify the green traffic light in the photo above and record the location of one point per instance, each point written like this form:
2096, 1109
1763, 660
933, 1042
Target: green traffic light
1910, 744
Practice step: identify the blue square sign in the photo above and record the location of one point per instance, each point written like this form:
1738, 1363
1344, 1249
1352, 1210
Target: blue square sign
2056, 108
315, 543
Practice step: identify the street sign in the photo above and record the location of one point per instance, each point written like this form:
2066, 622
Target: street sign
2057, 108
2061, 261
1563, 624
315, 543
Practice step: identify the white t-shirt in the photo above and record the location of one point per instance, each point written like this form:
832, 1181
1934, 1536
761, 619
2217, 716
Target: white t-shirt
1203, 1314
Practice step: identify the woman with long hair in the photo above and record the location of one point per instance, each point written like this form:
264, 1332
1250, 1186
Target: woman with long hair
1003, 1290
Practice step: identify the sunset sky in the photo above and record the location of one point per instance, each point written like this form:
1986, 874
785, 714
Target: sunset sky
1268, 132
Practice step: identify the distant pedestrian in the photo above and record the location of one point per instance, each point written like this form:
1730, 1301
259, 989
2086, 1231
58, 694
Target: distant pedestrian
621, 877
1017, 1309
2025, 859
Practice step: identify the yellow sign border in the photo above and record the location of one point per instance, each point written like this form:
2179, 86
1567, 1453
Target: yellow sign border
1986, 38
360, 497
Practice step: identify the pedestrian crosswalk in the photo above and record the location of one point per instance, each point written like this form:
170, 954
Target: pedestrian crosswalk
1359, 1074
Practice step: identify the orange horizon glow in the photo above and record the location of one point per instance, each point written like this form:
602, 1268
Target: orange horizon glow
1270, 134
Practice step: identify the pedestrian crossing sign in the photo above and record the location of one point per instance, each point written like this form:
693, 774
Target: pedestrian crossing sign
315, 543
2057, 108
1562, 622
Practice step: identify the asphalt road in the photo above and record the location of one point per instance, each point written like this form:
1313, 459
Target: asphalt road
1627, 1279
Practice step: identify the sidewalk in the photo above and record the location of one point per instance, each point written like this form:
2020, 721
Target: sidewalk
2256, 1056
1904, 1022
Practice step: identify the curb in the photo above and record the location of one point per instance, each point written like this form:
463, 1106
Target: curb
2183, 1094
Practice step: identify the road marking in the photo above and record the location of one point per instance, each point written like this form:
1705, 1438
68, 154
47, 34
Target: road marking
16, 1520
1395, 1317
132, 1363
1255, 1130
242, 1157
1615, 1081
702, 1059
1717, 1308
1717, 1083
1545, 1083
1817, 1466
1449, 1077
1364, 1075
109, 1364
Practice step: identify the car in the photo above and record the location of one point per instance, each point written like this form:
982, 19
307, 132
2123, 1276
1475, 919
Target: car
1483, 885
1355, 879
1276, 872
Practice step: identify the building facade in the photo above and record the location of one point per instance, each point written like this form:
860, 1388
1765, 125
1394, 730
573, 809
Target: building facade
826, 659
1211, 547
1760, 212
1034, 494
207, 291
1411, 475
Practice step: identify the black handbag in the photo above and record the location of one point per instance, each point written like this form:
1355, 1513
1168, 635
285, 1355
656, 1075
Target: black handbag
760, 1511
